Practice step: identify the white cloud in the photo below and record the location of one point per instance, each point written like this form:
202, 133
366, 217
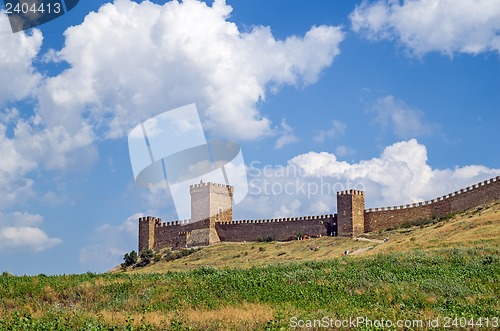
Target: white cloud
26, 145
286, 136
109, 243
445, 26
338, 128
403, 120
164, 56
288, 211
307, 185
55, 148
30, 148
18, 77
21, 230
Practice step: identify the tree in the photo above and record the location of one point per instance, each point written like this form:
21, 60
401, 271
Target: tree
130, 259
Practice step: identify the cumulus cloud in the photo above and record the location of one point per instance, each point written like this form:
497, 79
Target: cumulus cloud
308, 183
286, 136
164, 56
405, 121
445, 26
21, 230
109, 243
30, 148
18, 78
338, 128
26, 144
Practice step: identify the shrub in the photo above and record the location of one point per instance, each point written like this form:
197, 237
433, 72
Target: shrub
266, 239
130, 259
146, 256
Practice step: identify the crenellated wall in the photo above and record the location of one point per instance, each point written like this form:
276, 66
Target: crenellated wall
470, 197
155, 234
352, 219
277, 228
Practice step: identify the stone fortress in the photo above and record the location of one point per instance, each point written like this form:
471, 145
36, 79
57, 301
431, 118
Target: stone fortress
212, 217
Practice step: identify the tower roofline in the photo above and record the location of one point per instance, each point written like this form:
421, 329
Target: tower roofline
351, 192
209, 184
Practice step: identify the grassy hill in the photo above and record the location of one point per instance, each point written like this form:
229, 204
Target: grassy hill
443, 268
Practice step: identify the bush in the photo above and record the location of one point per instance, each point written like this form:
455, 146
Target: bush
266, 239
147, 256
130, 259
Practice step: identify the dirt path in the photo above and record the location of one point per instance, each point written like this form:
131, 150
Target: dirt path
360, 250
378, 241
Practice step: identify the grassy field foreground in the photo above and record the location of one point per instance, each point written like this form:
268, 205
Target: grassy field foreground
422, 273
423, 285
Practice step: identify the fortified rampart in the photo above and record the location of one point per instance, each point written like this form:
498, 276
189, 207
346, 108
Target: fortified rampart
276, 228
211, 206
467, 198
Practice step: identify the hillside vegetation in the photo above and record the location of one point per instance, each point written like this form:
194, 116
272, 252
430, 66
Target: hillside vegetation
424, 272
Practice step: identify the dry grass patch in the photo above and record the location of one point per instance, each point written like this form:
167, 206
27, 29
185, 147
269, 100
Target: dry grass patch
245, 317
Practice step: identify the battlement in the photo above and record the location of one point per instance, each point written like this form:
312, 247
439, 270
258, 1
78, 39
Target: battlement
279, 220
479, 185
350, 192
211, 186
173, 223
159, 223
463, 199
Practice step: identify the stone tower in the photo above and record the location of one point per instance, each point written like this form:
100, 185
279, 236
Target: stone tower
147, 233
350, 213
210, 203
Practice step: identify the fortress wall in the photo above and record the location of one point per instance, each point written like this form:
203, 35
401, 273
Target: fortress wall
155, 234
390, 217
167, 235
470, 197
476, 195
278, 229
179, 233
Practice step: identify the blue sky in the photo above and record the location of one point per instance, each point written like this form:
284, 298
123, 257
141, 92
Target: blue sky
401, 99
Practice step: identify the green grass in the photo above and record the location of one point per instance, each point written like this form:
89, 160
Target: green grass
402, 285
445, 268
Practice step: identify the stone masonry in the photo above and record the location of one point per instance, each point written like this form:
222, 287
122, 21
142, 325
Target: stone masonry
212, 219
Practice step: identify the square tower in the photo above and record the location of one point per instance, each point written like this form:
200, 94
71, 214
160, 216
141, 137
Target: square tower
351, 213
211, 201
147, 232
